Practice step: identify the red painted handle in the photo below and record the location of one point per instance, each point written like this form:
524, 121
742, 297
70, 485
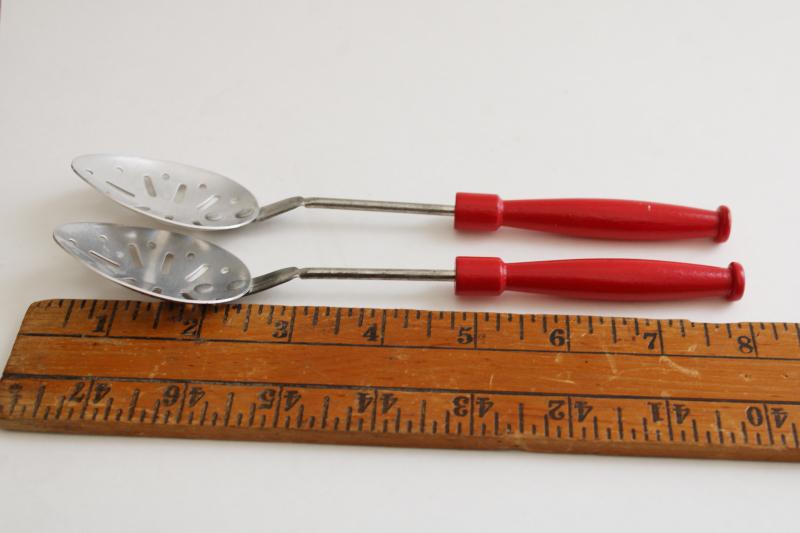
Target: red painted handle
600, 279
600, 219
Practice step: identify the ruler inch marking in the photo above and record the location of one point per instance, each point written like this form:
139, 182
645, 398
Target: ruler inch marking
107, 410
475, 330
472, 413
246, 321
383, 327
753, 337
182, 403
325, 406
111, 318
156, 410
718, 423
569, 337
87, 396
38, 402
203, 413
766, 418
292, 320
338, 321
569, 417
68, 313
660, 336
277, 407
374, 410
670, 432
228, 407
157, 318
251, 417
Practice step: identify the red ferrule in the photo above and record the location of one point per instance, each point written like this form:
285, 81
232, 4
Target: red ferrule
480, 275
478, 212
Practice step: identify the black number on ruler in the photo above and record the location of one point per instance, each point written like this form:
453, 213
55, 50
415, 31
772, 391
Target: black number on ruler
77, 395
465, 335
101, 324
190, 327
655, 411
387, 402
484, 405
582, 409
101, 390
171, 395
461, 405
555, 409
290, 399
16, 390
780, 415
267, 399
371, 333
754, 415
364, 399
745, 344
651, 337
558, 337
195, 395
281, 329
681, 412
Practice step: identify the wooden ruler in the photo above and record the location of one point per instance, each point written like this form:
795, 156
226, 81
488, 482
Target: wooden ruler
587, 384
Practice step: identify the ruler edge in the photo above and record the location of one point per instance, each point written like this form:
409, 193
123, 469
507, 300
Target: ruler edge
637, 449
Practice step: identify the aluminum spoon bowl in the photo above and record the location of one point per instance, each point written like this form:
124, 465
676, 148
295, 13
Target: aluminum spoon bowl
158, 263
191, 197
170, 192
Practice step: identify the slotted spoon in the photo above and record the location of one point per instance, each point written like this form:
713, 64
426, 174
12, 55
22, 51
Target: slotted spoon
182, 268
191, 197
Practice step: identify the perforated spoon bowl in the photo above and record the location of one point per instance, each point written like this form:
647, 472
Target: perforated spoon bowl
191, 197
182, 268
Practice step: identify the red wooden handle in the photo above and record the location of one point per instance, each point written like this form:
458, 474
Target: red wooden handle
585, 217
600, 279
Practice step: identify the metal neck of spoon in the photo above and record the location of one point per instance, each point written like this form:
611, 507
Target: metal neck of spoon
277, 208
267, 281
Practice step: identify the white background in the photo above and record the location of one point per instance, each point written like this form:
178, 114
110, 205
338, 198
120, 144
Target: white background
693, 102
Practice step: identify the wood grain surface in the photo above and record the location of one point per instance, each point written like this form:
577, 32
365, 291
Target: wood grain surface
553, 383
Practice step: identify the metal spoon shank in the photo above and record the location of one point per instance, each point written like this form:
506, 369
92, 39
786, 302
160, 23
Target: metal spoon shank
278, 208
